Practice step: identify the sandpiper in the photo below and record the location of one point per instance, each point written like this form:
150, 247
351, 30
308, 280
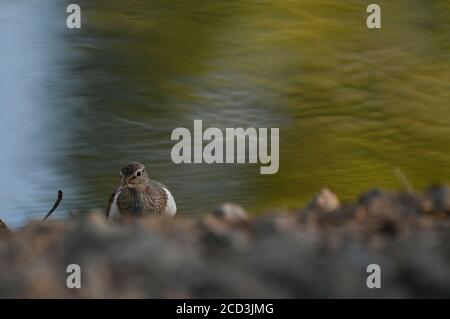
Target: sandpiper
137, 194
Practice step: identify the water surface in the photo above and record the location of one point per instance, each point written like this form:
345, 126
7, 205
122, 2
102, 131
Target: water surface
353, 105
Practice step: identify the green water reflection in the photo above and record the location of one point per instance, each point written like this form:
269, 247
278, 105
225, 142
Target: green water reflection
352, 104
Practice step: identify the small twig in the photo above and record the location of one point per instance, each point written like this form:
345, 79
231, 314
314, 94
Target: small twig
55, 205
403, 180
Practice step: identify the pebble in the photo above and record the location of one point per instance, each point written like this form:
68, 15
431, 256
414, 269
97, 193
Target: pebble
325, 200
231, 213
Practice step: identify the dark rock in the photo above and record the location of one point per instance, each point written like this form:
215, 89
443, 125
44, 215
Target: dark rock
439, 198
383, 203
275, 223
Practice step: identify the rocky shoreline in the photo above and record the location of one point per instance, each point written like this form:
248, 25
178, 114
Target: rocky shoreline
319, 251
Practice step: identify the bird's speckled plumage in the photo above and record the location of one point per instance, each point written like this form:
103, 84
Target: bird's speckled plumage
139, 195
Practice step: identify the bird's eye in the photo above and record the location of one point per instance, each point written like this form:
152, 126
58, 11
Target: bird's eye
138, 173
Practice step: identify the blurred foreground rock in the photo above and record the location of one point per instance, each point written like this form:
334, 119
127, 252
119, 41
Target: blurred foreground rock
3, 226
321, 250
231, 213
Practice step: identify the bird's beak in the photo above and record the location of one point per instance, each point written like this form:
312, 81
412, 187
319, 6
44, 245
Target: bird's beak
126, 180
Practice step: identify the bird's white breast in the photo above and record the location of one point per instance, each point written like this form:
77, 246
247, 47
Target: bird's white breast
171, 207
114, 212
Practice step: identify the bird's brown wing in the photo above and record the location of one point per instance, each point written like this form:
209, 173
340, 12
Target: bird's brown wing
156, 197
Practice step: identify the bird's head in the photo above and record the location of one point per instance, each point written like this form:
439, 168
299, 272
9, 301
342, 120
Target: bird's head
134, 173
